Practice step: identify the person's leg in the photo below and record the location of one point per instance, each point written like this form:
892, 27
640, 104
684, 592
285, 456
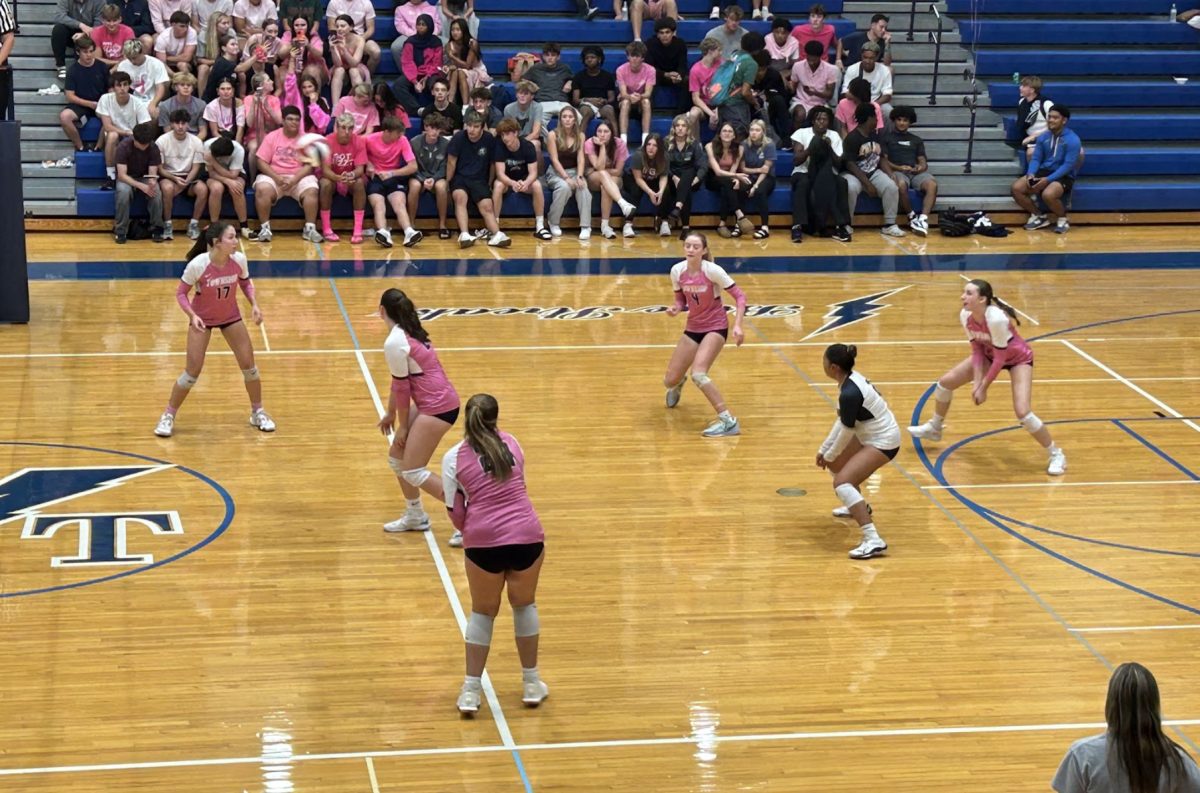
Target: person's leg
199, 192
853, 467
594, 183
487, 211
237, 196
706, 355
197, 346
216, 192
379, 211
623, 121
901, 181
522, 596
854, 187
1020, 194
486, 589
60, 38
67, 120
325, 205
677, 367
943, 391
929, 190
1022, 397
373, 53
336, 80
415, 188
560, 194
498, 191
168, 190
237, 336
637, 9
800, 187
538, 197
264, 198
400, 207
441, 196
308, 202
1052, 196
889, 196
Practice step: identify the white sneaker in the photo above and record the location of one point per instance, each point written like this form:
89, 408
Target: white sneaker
919, 225
469, 699
673, 394
263, 234
311, 234
455, 540
926, 432
411, 521
383, 238
535, 693
466, 239
628, 209
892, 231
869, 548
627, 230
499, 240
716, 13
607, 231
720, 428
260, 420
193, 231
757, 14
585, 234
1058, 463
482, 234
166, 426
556, 231
664, 229
412, 237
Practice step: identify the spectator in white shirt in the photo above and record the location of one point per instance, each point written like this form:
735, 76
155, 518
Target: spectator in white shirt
182, 159
176, 46
875, 73
119, 112
148, 76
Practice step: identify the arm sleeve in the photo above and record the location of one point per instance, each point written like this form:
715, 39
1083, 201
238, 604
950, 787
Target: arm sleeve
835, 433
247, 287
739, 297
1069, 159
182, 297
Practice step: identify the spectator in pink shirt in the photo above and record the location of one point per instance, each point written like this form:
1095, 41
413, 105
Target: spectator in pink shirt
817, 30
698, 79
282, 173
635, 85
858, 93
110, 36
783, 48
359, 104
816, 81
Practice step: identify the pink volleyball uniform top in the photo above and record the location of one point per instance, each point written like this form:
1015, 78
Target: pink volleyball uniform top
995, 342
215, 297
489, 512
418, 375
699, 293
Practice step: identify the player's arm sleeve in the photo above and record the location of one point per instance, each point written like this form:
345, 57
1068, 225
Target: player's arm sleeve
680, 301
181, 297
191, 274
244, 282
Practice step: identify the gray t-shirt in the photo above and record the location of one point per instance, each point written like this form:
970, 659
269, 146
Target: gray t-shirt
550, 81
527, 117
431, 159
1085, 770
731, 43
756, 158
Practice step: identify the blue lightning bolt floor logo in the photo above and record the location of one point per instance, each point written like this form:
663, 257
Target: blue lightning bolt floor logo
856, 309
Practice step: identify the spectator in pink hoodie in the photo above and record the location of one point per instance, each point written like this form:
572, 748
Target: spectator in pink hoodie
406, 16
420, 61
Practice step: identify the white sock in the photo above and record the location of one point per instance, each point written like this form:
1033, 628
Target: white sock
538, 224
1053, 448
868, 532
111, 170
725, 415
604, 225
414, 505
937, 421
473, 683
530, 675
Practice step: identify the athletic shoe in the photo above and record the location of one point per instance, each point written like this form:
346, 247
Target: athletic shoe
193, 231
482, 234
443, 234
455, 540
673, 394
1058, 463
844, 512
591, 14
684, 232
919, 225
466, 239
892, 231
607, 231
556, 231
262, 421
842, 234
868, 549
166, 234
263, 234
120, 239
720, 428
411, 521
585, 234
469, 699
767, 16
1062, 227
1036, 222
716, 13
332, 236
627, 230
926, 432
311, 234
628, 209
412, 237
797, 234
166, 426
499, 240
535, 693
664, 229
246, 232
757, 14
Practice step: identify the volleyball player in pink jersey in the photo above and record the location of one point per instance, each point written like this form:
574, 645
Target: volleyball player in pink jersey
698, 282
423, 400
990, 324
483, 486
216, 270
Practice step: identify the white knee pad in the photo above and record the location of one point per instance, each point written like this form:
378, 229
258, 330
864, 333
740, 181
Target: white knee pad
397, 466
1031, 423
525, 620
479, 629
849, 495
186, 381
701, 379
415, 476
251, 374
942, 394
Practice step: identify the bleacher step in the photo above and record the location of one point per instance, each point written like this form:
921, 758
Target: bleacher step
50, 208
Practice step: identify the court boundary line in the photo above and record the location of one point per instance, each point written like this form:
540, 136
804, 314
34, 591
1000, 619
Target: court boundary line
1002, 485
371, 774
1134, 628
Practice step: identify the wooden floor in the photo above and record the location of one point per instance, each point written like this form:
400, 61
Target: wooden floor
701, 631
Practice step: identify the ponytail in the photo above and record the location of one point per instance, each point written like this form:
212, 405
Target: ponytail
400, 309
482, 412
985, 291
206, 240
842, 356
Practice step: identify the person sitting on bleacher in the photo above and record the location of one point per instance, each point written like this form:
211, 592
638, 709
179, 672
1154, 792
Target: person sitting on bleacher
359, 104
119, 112
405, 19
136, 14
651, 9
138, 161
1031, 112
180, 174
204, 12
1051, 172
263, 113
347, 51
175, 47
816, 82
184, 98
302, 51
635, 85
758, 162
528, 115
450, 10
553, 79
420, 62
904, 153
771, 92
667, 54
481, 103
161, 12
605, 155
818, 193
148, 76
281, 173
867, 170
220, 27
565, 176
859, 93
110, 36
224, 67
688, 163
516, 169
586, 9
442, 103
344, 173
390, 162
72, 19
87, 82
647, 175
469, 160
818, 30
739, 104
783, 49
429, 149
249, 16
876, 74
260, 55
698, 83
730, 33
224, 114
465, 68
315, 112
725, 177
363, 14
388, 105
224, 161
877, 33
594, 89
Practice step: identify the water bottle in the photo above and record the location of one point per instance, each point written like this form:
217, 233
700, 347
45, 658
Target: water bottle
1174, 12
1016, 78
625, 12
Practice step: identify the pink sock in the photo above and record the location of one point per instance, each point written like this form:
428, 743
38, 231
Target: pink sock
358, 221
171, 411
325, 227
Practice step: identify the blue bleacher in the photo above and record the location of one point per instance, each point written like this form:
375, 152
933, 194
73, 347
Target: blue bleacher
694, 9
1075, 31
1162, 93
1164, 63
1039, 7
1126, 127
512, 34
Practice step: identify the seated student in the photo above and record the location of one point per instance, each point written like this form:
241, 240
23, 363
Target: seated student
818, 193
816, 81
818, 30
302, 51
758, 163
249, 16
739, 105
635, 85
667, 55
404, 18
450, 10
225, 115
180, 173
516, 167
468, 171
429, 149
110, 36
772, 93
698, 83
528, 115
1051, 173
729, 33
481, 103
647, 175
260, 55
725, 177
315, 112
442, 103
359, 104
904, 153
859, 93
148, 76
465, 69
263, 114
605, 155
205, 12
119, 112
224, 161
282, 173
553, 79
420, 62
565, 176
184, 98
877, 33
658, 10
1031, 112
593, 89
220, 27
866, 170
363, 14
138, 160
71, 21
783, 49
688, 164
876, 74
344, 173
347, 51
176, 46
387, 104
87, 82
390, 162
224, 67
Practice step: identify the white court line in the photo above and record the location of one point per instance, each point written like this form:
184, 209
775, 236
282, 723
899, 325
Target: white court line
266, 342
371, 774
1130, 628
1014, 308
1131, 384
618, 743
1064, 484
1040, 381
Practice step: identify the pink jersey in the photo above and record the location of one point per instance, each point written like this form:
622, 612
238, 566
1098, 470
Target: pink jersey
417, 374
216, 287
496, 513
700, 294
994, 341
344, 159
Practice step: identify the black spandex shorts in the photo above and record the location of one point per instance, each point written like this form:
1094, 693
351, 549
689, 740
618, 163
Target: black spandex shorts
1008, 366
503, 558
699, 337
891, 453
450, 416
224, 325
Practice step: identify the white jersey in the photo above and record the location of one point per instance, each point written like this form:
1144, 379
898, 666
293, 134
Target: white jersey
863, 413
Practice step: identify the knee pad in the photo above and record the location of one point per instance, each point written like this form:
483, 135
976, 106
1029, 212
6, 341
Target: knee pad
942, 394
701, 379
849, 495
397, 466
250, 375
479, 629
186, 381
415, 476
525, 620
1031, 423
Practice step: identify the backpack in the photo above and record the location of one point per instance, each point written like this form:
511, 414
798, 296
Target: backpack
720, 85
954, 224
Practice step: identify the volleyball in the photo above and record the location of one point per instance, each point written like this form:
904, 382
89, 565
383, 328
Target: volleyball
314, 150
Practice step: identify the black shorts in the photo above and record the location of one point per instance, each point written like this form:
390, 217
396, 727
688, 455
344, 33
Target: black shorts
224, 325
476, 189
1067, 182
83, 114
890, 453
450, 416
503, 558
385, 187
1007, 366
699, 337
